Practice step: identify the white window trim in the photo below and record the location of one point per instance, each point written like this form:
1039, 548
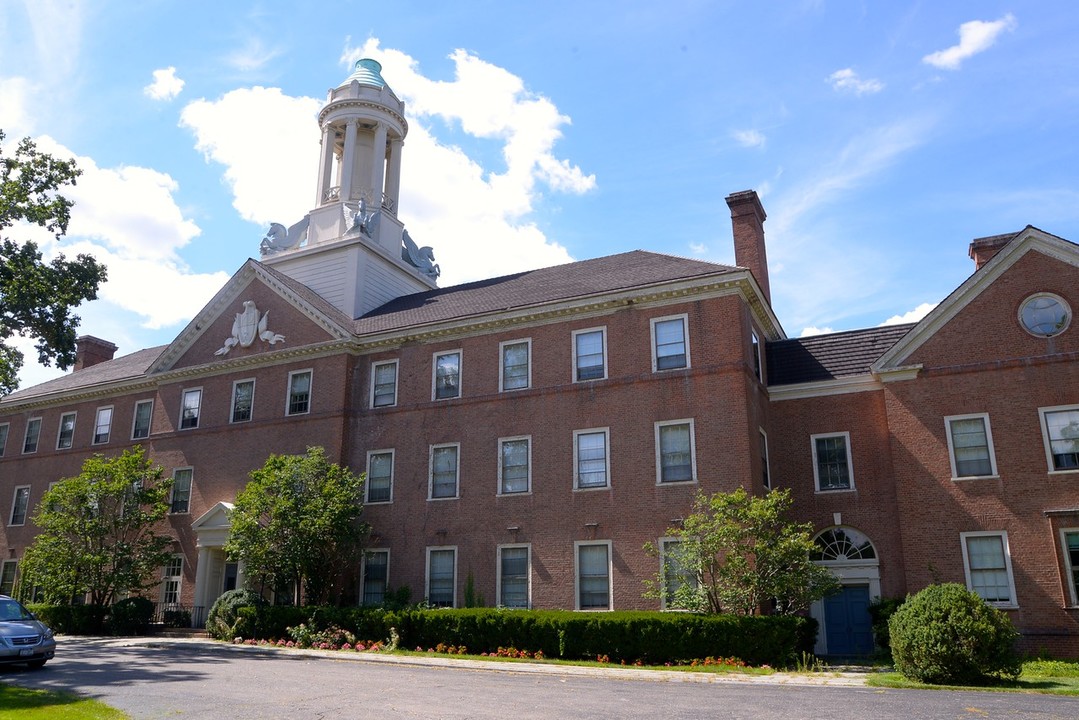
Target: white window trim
502, 364
684, 317
692, 451
232, 401
427, 571
363, 569
816, 467
758, 357
498, 571
310, 392
74, 414
14, 576
190, 489
607, 459
577, 545
26, 433
663, 543
366, 487
26, 512
501, 442
6, 437
1003, 535
431, 472
1071, 596
988, 439
97, 416
767, 461
602, 330
460, 374
183, 404
179, 583
1045, 438
135, 416
396, 374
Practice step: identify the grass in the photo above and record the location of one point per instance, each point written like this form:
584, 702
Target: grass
26, 704
1052, 677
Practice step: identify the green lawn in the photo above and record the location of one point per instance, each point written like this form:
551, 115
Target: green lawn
26, 704
1054, 677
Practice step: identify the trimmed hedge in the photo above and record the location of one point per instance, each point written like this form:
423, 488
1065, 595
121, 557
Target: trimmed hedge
72, 619
131, 616
652, 637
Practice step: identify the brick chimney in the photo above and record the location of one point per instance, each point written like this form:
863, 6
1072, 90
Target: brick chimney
90, 350
983, 249
747, 219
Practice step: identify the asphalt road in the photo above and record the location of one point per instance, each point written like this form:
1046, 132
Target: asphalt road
208, 682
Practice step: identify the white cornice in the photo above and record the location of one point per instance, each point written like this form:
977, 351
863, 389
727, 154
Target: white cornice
824, 388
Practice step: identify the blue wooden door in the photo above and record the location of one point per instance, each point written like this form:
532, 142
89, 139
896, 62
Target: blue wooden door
848, 627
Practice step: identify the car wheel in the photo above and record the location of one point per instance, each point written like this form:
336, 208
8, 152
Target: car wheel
36, 664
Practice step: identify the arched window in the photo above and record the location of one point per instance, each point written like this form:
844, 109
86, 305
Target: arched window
842, 544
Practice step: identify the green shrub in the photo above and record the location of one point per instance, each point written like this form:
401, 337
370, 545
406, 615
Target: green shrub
72, 619
131, 616
881, 611
224, 613
947, 634
176, 618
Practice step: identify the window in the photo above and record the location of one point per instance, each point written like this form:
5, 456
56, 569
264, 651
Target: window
376, 573
180, 501
1070, 540
444, 466
970, 446
593, 575
140, 428
513, 576
670, 348
831, 462
1060, 429
7, 577
1045, 315
514, 475
766, 478
379, 486
66, 432
679, 580
3, 437
20, 501
589, 354
675, 461
299, 392
171, 579
189, 413
243, 400
755, 348
102, 425
591, 461
515, 372
988, 566
384, 384
442, 576
447, 380
33, 431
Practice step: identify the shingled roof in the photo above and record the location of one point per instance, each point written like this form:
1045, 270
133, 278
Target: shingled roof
127, 367
827, 357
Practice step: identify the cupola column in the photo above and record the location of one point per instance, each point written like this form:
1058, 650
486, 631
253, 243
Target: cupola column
348, 157
325, 165
393, 174
378, 164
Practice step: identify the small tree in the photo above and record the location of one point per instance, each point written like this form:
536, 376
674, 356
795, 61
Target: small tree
297, 523
736, 553
98, 531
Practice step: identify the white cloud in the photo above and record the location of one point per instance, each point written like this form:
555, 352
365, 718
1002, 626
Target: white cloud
749, 138
974, 37
14, 116
253, 56
810, 331
847, 80
165, 86
698, 248
911, 316
56, 27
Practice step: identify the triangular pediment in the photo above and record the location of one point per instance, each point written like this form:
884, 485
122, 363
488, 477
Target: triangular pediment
216, 518
257, 312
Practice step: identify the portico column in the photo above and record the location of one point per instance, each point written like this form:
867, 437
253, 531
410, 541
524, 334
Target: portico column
348, 158
202, 571
378, 163
393, 173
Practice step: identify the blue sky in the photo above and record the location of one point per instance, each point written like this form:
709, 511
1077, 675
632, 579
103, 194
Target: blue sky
882, 137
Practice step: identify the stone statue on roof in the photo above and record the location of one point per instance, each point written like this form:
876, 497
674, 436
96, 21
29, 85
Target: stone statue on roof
421, 258
279, 238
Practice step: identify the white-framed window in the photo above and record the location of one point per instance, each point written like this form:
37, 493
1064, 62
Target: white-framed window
299, 393
515, 366
970, 446
1069, 541
191, 406
592, 576
832, 467
441, 586
379, 485
3, 437
33, 432
589, 354
591, 459
243, 400
65, 435
755, 349
376, 575
988, 566
514, 576
1060, 431
140, 424
678, 578
180, 495
670, 342
384, 383
20, 503
7, 577
103, 425
766, 475
172, 577
446, 375
676, 457
514, 465
445, 464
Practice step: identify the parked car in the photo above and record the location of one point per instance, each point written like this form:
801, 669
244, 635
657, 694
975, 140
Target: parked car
23, 638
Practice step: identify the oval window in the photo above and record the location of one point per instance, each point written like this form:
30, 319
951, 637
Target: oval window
1045, 315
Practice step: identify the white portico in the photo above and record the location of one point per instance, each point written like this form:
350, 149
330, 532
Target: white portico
214, 573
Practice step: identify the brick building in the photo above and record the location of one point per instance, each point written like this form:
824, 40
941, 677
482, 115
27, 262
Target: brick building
532, 432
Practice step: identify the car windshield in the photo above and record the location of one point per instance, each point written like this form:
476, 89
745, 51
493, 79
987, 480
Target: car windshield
12, 610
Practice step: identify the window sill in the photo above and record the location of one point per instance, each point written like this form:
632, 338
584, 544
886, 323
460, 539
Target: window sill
387, 502
833, 491
513, 494
1069, 471
591, 488
975, 477
1003, 605
663, 483
440, 499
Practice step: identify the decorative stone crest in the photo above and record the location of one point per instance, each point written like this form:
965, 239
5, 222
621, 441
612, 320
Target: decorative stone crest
247, 327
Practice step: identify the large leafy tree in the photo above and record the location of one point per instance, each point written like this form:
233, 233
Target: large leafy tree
737, 553
297, 524
37, 297
99, 531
